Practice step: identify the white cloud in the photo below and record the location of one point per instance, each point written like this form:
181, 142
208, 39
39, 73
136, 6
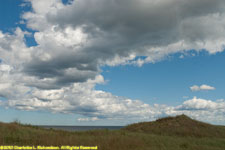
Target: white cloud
81, 98
201, 104
203, 87
201, 109
88, 119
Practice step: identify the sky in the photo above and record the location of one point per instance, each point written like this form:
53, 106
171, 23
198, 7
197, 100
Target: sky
111, 62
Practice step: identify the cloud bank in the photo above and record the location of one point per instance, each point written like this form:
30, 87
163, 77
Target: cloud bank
75, 40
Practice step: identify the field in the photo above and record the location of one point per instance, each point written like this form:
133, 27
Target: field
171, 133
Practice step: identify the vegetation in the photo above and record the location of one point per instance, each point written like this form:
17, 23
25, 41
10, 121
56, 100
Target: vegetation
171, 133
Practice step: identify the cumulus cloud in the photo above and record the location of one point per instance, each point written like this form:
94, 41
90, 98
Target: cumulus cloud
74, 41
88, 119
203, 87
203, 109
116, 32
81, 98
201, 104
103, 36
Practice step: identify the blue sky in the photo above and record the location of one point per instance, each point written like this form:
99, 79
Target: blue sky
54, 88
172, 77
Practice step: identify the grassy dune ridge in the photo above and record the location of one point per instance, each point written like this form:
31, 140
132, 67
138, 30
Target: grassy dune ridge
180, 126
171, 133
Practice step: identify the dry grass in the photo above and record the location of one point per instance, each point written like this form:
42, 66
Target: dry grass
164, 134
